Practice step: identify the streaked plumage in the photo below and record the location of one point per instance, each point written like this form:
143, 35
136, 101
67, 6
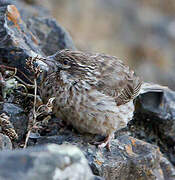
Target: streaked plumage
94, 92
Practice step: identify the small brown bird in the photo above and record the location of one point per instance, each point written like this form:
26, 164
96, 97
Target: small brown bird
94, 92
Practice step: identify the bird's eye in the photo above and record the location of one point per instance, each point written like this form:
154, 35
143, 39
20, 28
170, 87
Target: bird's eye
65, 62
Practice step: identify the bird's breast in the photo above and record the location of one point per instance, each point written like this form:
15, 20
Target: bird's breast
89, 110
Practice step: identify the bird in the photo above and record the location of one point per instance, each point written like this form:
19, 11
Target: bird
93, 92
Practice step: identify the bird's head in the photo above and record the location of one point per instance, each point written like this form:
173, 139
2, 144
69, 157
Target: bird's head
72, 63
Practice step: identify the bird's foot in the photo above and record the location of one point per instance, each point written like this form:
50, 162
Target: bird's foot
106, 143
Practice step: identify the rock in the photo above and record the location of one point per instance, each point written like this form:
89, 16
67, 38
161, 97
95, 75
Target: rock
167, 168
49, 162
32, 36
98, 178
129, 158
5, 142
29, 10
154, 121
17, 117
52, 37
26, 32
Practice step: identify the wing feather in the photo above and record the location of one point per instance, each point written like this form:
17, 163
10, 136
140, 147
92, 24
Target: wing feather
112, 77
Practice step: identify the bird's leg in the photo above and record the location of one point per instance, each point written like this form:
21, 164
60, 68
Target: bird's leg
106, 142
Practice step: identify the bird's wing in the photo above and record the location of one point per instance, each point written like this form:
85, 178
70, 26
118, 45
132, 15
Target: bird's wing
116, 79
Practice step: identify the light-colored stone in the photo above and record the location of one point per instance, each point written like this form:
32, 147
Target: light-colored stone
49, 162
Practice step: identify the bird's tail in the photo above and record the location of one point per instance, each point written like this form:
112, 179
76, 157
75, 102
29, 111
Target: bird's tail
150, 87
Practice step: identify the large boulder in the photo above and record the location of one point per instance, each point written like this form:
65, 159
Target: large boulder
49, 162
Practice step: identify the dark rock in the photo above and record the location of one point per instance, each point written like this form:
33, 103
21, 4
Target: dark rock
5, 142
98, 178
17, 117
154, 121
50, 162
129, 158
20, 38
167, 168
52, 127
29, 10
52, 37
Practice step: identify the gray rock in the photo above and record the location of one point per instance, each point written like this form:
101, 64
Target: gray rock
129, 159
5, 142
98, 178
167, 168
49, 162
51, 36
154, 121
29, 36
17, 117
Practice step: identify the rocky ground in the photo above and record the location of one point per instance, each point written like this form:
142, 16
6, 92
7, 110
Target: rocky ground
143, 150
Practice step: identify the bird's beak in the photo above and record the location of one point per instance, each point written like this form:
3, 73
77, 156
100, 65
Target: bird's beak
53, 64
